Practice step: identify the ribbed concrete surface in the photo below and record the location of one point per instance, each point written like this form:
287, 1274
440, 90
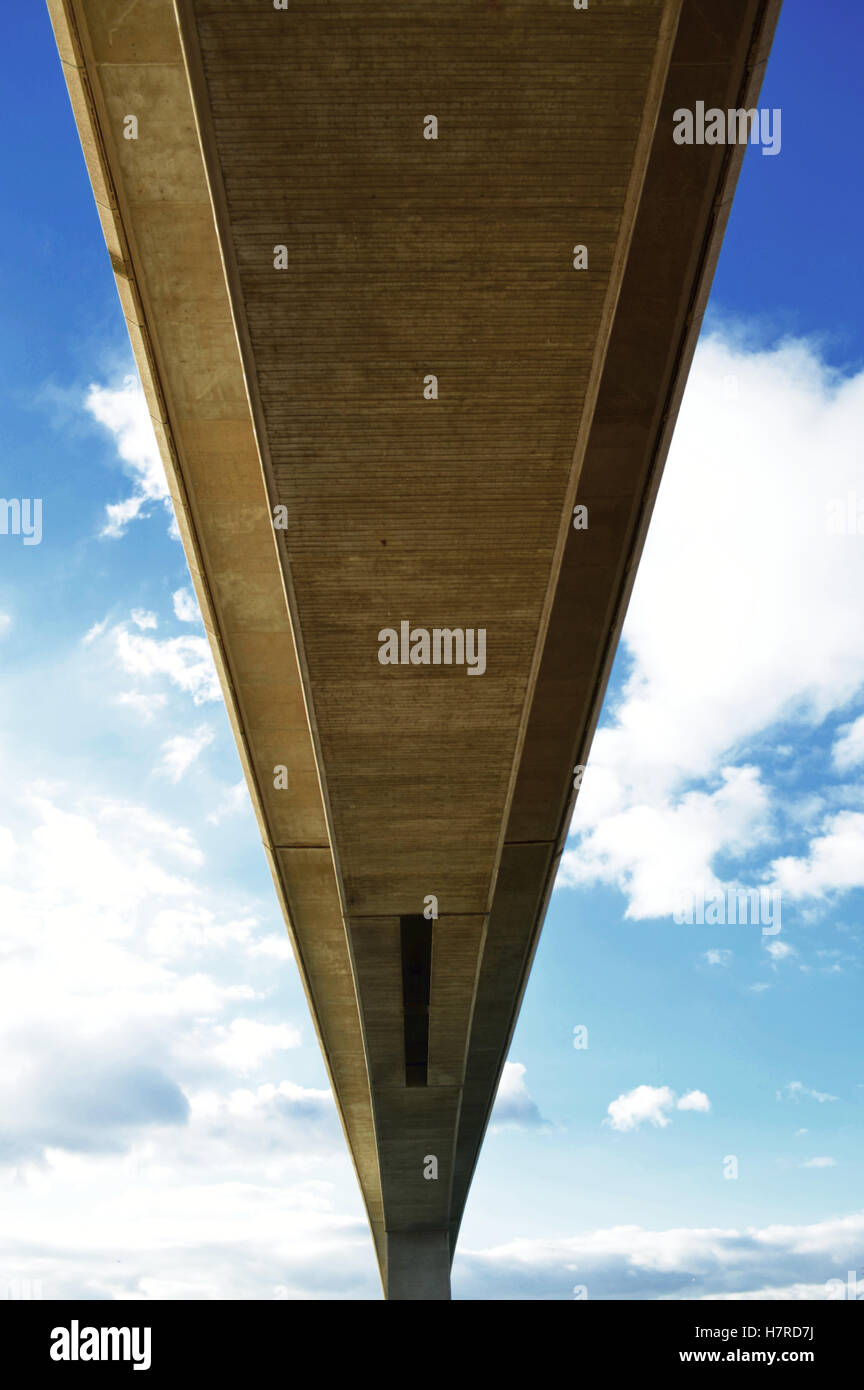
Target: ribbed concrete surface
303, 387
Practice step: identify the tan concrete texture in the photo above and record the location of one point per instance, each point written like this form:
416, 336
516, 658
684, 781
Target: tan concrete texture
302, 388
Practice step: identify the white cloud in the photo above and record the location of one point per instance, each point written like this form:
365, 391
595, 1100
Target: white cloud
179, 753
147, 706
8, 849
185, 661
186, 606
748, 579
514, 1107
650, 1105
277, 945
644, 1104
245, 1043
123, 411
779, 950
820, 1163
251, 1196
630, 1262
848, 750
104, 1024
144, 620
694, 1100
94, 632
796, 1090
5, 624
193, 927
657, 853
835, 861
234, 801
718, 956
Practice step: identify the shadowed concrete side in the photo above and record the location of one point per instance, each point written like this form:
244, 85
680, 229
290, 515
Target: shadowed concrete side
418, 1265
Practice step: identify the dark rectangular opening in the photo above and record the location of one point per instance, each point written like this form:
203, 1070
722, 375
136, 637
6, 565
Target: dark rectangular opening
416, 935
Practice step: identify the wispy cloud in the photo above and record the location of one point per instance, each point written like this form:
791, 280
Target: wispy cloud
796, 1090
147, 706
779, 950
122, 410
144, 620
234, 801
180, 752
185, 662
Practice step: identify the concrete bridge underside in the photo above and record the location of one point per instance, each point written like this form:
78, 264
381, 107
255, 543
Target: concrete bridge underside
302, 388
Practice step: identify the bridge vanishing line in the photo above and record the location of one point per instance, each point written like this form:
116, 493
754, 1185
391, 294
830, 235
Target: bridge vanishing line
407, 283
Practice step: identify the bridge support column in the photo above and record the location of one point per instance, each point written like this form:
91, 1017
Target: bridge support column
418, 1265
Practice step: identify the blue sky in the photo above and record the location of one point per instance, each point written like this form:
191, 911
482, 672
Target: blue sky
166, 1128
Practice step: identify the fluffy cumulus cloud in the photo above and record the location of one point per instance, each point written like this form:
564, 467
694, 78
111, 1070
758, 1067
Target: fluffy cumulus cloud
628, 1262
186, 606
122, 410
244, 1044
112, 1000
848, 750
153, 1142
514, 1106
694, 1100
759, 598
659, 853
651, 1105
835, 860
